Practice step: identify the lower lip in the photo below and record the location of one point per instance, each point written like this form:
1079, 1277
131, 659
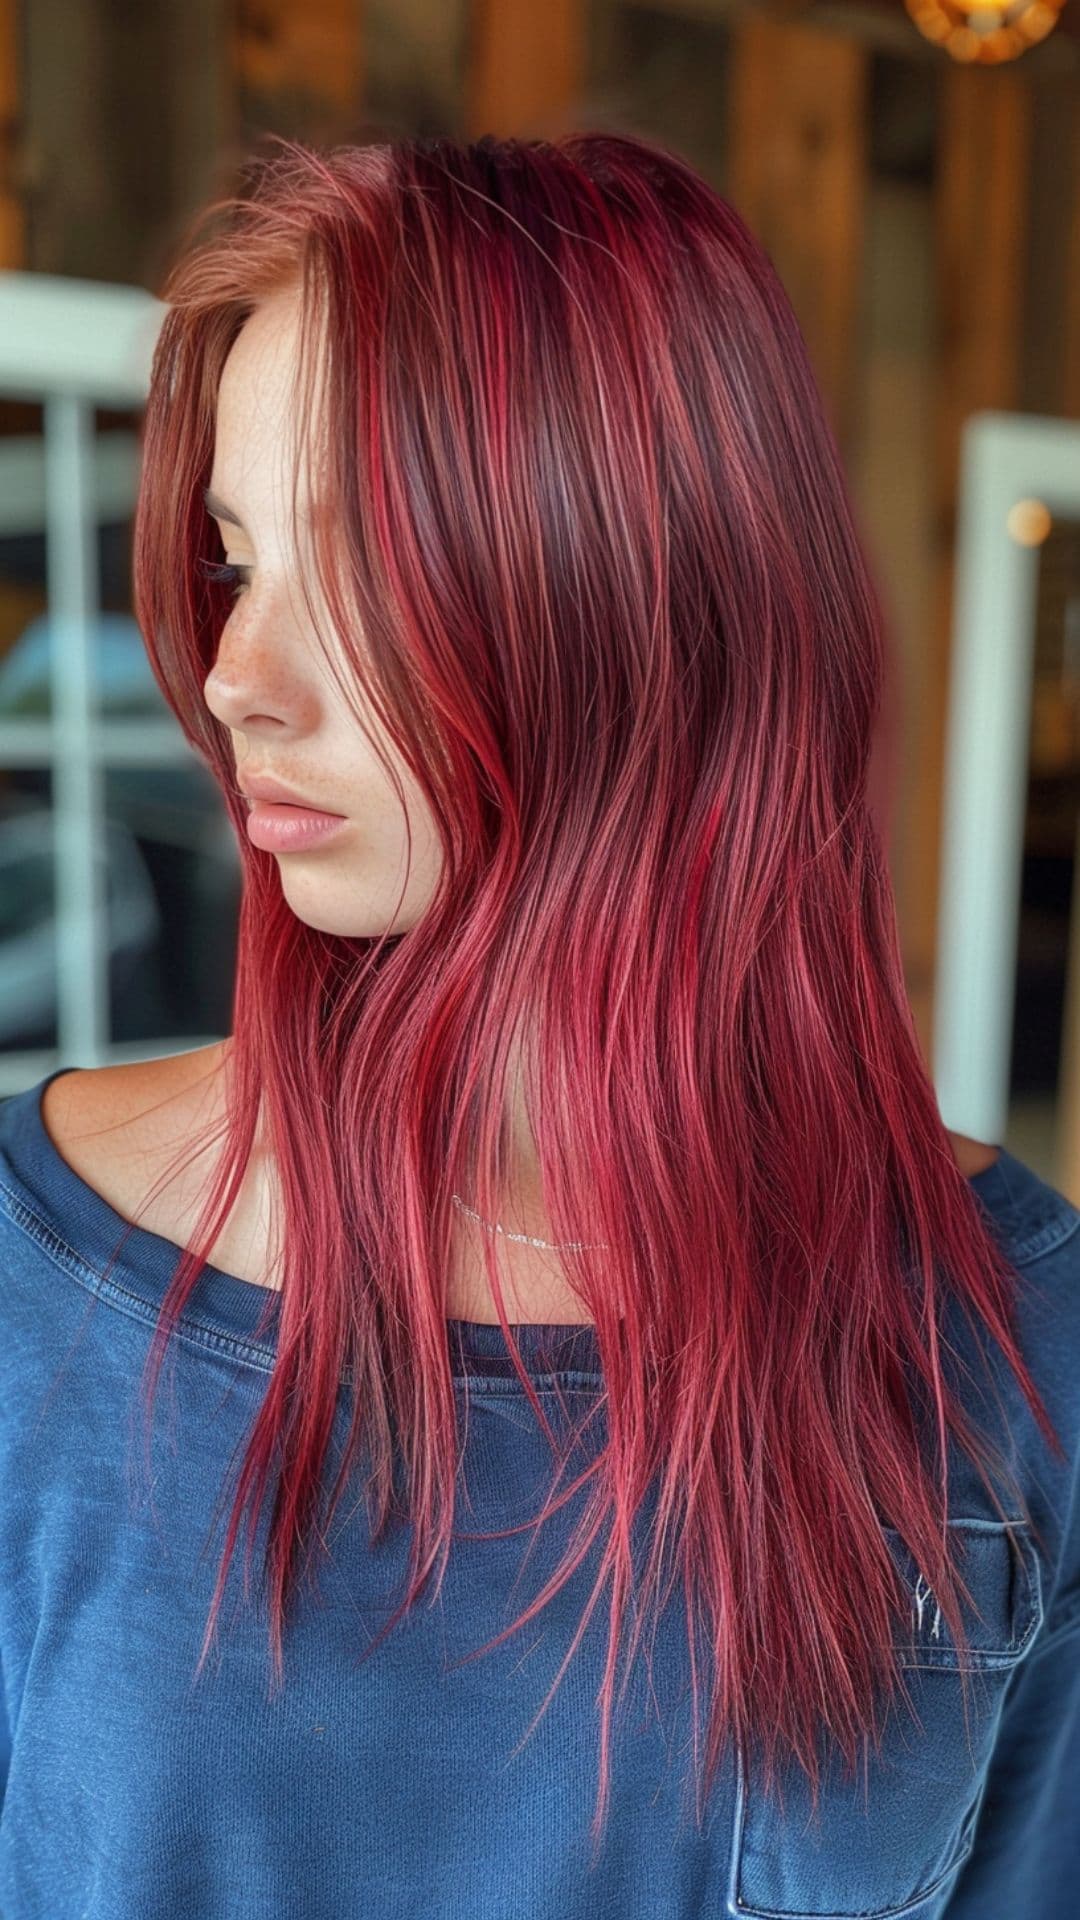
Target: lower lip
282, 829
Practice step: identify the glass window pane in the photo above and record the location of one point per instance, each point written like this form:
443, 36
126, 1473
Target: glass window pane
174, 902
28, 930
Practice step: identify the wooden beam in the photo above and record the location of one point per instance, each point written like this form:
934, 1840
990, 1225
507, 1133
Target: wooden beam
297, 69
1071, 323
797, 174
981, 194
1051, 315
122, 126
982, 215
415, 55
526, 72
882, 26
12, 218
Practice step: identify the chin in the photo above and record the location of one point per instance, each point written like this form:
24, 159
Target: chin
348, 920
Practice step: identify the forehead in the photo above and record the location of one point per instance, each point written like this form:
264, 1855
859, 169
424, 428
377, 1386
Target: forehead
261, 365
256, 422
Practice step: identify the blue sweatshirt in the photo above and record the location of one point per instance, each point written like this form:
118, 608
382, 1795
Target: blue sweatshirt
404, 1787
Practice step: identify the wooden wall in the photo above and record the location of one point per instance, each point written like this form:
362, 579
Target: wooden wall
117, 120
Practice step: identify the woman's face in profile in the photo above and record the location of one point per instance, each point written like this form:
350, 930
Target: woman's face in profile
270, 684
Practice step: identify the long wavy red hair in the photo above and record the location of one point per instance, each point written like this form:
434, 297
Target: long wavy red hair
589, 553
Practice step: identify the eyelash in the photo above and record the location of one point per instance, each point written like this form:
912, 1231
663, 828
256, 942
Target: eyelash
225, 576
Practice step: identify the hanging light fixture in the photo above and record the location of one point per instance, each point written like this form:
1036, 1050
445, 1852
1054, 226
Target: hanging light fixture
986, 31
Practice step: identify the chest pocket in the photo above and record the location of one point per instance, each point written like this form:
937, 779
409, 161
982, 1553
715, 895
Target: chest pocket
885, 1844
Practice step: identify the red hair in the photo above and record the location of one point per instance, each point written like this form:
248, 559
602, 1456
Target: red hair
586, 544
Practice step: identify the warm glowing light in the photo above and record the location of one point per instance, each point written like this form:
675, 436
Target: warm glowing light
1029, 522
985, 31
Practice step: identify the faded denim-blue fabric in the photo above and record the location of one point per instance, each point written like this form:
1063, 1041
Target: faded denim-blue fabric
404, 1787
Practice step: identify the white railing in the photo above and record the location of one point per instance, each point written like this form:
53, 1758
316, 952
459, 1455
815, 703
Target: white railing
73, 345
1006, 458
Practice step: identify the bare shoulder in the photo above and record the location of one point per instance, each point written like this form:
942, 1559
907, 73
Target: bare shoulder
972, 1156
125, 1128
106, 1118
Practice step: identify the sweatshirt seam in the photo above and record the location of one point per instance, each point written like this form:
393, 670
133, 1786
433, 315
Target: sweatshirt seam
1042, 1242
1037, 1247
77, 1268
249, 1353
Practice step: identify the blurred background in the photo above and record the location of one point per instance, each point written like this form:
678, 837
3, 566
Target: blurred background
912, 167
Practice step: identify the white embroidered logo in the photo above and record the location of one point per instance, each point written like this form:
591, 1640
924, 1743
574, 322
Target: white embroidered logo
923, 1593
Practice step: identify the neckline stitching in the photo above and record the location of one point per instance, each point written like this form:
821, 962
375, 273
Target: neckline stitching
76, 1267
251, 1352
1041, 1239
255, 1354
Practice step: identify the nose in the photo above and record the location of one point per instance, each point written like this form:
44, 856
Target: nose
261, 680
249, 685
237, 703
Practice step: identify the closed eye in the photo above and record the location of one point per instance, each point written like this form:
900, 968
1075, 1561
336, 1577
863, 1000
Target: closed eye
225, 575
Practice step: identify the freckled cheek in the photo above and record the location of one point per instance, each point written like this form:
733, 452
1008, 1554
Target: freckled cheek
259, 680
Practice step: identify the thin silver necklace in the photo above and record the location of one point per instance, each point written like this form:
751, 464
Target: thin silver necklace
528, 1239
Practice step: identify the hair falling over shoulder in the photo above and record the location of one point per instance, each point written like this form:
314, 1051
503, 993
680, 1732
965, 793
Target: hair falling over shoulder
584, 540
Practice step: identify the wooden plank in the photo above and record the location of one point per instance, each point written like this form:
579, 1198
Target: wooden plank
415, 54
1049, 327
1070, 397
297, 69
982, 210
889, 467
797, 174
137, 94
882, 25
12, 216
526, 70
981, 193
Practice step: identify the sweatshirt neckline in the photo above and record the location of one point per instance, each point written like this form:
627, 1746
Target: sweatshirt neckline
230, 1308
247, 1314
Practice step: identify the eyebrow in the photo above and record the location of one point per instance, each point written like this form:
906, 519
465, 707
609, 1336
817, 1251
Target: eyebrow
220, 511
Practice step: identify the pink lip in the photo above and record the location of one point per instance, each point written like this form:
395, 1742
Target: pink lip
269, 789
287, 829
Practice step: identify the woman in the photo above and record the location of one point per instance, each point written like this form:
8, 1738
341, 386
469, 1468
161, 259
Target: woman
572, 1159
